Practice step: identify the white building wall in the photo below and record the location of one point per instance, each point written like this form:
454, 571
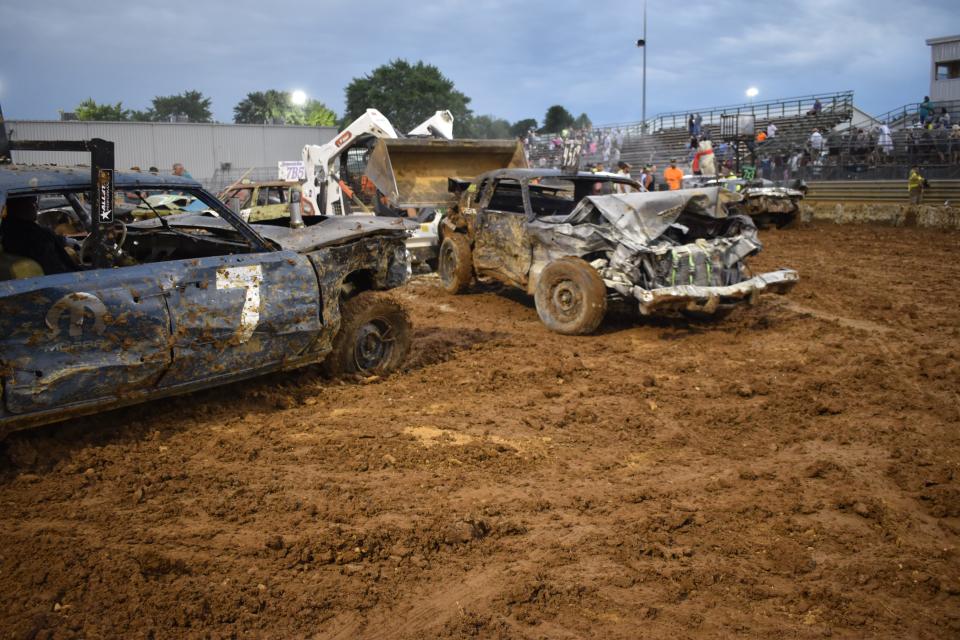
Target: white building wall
202, 148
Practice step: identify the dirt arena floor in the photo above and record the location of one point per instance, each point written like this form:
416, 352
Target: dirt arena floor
791, 471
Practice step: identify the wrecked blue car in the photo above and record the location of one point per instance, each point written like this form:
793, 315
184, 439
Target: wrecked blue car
171, 304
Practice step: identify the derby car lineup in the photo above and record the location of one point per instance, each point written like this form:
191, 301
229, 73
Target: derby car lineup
182, 292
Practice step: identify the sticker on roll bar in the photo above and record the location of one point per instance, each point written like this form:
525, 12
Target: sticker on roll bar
104, 200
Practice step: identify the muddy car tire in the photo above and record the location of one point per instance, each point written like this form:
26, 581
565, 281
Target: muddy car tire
455, 264
571, 297
374, 337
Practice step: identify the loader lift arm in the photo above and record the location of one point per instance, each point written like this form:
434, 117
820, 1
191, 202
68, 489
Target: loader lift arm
322, 194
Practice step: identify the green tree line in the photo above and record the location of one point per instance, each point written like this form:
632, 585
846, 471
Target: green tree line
406, 93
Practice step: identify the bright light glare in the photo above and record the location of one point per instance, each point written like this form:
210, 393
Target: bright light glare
298, 98
752, 92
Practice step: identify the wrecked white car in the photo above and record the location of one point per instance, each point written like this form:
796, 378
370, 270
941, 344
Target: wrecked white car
557, 236
766, 202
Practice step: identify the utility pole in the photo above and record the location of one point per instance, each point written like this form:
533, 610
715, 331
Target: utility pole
642, 43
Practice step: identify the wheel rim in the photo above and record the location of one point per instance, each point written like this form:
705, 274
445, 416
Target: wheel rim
448, 261
374, 344
566, 299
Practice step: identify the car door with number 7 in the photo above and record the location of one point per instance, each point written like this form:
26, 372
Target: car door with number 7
235, 314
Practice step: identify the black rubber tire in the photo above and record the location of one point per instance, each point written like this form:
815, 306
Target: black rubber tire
570, 297
455, 264
374, 336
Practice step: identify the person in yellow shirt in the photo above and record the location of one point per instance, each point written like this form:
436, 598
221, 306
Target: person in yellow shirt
915, 185
673, 176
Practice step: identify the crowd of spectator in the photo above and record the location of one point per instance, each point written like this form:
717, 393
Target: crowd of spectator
565, 148
932, 139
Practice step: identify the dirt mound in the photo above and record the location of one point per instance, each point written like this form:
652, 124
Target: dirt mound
789, 470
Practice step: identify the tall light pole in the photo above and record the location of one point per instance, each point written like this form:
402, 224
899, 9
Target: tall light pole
642, 43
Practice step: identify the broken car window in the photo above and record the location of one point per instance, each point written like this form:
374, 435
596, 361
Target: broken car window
553, 197
507, 197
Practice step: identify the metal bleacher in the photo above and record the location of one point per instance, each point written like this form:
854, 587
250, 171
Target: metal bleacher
666, 135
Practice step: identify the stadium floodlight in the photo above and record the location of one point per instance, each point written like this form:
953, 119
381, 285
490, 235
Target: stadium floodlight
298, 98
752, 92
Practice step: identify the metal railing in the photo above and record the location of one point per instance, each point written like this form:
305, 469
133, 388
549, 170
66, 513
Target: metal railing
909, 114
839, 102
835, 102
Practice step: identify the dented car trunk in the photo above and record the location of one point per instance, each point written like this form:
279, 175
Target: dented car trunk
667, 250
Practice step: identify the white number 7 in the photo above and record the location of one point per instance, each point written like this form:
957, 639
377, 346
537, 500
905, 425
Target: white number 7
249, 278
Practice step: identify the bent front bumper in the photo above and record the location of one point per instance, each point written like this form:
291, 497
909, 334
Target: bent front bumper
708, 299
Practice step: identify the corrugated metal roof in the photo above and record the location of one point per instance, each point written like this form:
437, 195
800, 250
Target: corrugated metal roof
942, 39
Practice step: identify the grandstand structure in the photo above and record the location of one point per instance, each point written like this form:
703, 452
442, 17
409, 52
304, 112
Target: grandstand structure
852, 148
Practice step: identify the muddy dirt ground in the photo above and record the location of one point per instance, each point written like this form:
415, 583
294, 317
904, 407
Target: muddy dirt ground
790, 471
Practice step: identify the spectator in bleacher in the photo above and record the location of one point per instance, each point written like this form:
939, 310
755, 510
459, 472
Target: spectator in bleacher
771, 130
673, 176
766, 167
780, 167
943, 121
793, 165
698, 124
816, 109
925, 110
751, 145
650, 178
692, 126
642, 179
816, 143
623, 169
941, 143
884, 141
926, 146
864, 143
761, 137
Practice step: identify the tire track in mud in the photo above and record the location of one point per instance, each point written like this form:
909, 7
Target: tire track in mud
791, 469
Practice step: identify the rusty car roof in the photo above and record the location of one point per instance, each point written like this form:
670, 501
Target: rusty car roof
31, 177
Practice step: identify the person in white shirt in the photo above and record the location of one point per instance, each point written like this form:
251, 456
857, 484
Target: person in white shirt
771, 131
623, 169
885, 140
816, 142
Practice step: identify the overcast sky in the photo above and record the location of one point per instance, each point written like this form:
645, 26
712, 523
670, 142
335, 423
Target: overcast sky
514, 59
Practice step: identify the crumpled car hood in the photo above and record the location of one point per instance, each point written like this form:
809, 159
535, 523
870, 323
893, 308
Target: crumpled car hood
634, 220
